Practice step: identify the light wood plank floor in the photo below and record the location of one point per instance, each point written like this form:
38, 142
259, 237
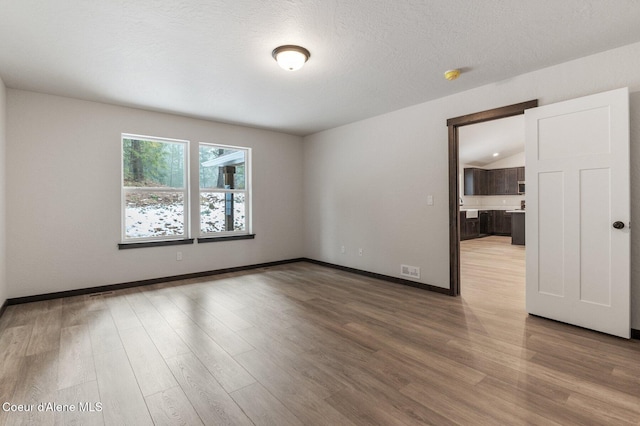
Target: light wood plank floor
303, 344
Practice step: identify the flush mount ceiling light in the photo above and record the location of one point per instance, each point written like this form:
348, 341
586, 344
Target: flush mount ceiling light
290, 57
452, 74
495, 154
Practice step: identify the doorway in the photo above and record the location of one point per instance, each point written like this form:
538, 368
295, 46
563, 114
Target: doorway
453, 125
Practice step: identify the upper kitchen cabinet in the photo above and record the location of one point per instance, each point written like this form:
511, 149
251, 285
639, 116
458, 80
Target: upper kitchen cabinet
475, 181
492, 182
511, 181
497, 182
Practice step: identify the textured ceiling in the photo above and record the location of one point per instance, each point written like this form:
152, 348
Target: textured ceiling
212, 58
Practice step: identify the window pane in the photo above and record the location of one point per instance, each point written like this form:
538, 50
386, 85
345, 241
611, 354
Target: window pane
214, 161
154, 214
220, 212
153, 163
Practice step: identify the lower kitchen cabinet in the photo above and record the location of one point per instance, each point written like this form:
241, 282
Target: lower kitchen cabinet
517, 229
488, 222
501, 222
473, 228
469, 228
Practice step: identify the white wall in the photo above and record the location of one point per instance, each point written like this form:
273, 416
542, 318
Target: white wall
3, 239
366, 183
63, 186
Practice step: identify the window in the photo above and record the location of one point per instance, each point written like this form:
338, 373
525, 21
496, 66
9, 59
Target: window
224, 190
155, 197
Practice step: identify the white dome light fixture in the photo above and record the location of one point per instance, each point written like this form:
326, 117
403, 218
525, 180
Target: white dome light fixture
290, 57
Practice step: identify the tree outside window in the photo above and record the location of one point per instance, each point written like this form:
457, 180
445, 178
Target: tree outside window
155, 189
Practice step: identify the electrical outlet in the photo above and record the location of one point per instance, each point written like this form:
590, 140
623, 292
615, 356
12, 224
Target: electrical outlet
359, 252
179, 255
343, 250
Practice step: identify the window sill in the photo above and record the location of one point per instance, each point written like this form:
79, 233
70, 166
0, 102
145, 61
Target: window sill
230, 238
124, 246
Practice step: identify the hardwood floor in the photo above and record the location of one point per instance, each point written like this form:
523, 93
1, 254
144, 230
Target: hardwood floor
303, 344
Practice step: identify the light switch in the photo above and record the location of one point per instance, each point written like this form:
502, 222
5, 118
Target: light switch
429, 200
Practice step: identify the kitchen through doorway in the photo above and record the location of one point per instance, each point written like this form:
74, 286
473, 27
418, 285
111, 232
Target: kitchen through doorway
488, 204
491, 167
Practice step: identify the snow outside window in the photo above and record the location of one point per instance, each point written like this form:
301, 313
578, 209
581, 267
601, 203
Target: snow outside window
224, 190
155, 198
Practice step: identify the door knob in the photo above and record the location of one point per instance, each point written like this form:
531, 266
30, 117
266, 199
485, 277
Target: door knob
618, 224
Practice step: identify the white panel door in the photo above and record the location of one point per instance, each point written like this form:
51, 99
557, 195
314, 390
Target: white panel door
577, 174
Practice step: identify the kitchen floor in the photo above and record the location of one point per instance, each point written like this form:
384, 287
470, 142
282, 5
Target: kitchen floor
492, 274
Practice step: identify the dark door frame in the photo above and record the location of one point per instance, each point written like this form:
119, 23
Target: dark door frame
454, 196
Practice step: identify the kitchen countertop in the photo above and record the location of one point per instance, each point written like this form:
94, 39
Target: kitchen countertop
515, 211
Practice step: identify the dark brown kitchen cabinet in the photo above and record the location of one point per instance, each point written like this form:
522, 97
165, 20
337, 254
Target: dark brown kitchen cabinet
501, 222
503, 182
473, 228
488, 222
497, 184
491, 222
463, 226
507, 224
493, 181
469, 228
475, 181
517, 229
498, 221
511, 181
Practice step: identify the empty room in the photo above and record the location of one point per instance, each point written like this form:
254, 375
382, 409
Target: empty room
270, 213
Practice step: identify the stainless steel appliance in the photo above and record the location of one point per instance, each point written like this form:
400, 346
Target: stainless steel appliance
521, 187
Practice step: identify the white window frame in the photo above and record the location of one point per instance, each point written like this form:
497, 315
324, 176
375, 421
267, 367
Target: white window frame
185, 191
246, 191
